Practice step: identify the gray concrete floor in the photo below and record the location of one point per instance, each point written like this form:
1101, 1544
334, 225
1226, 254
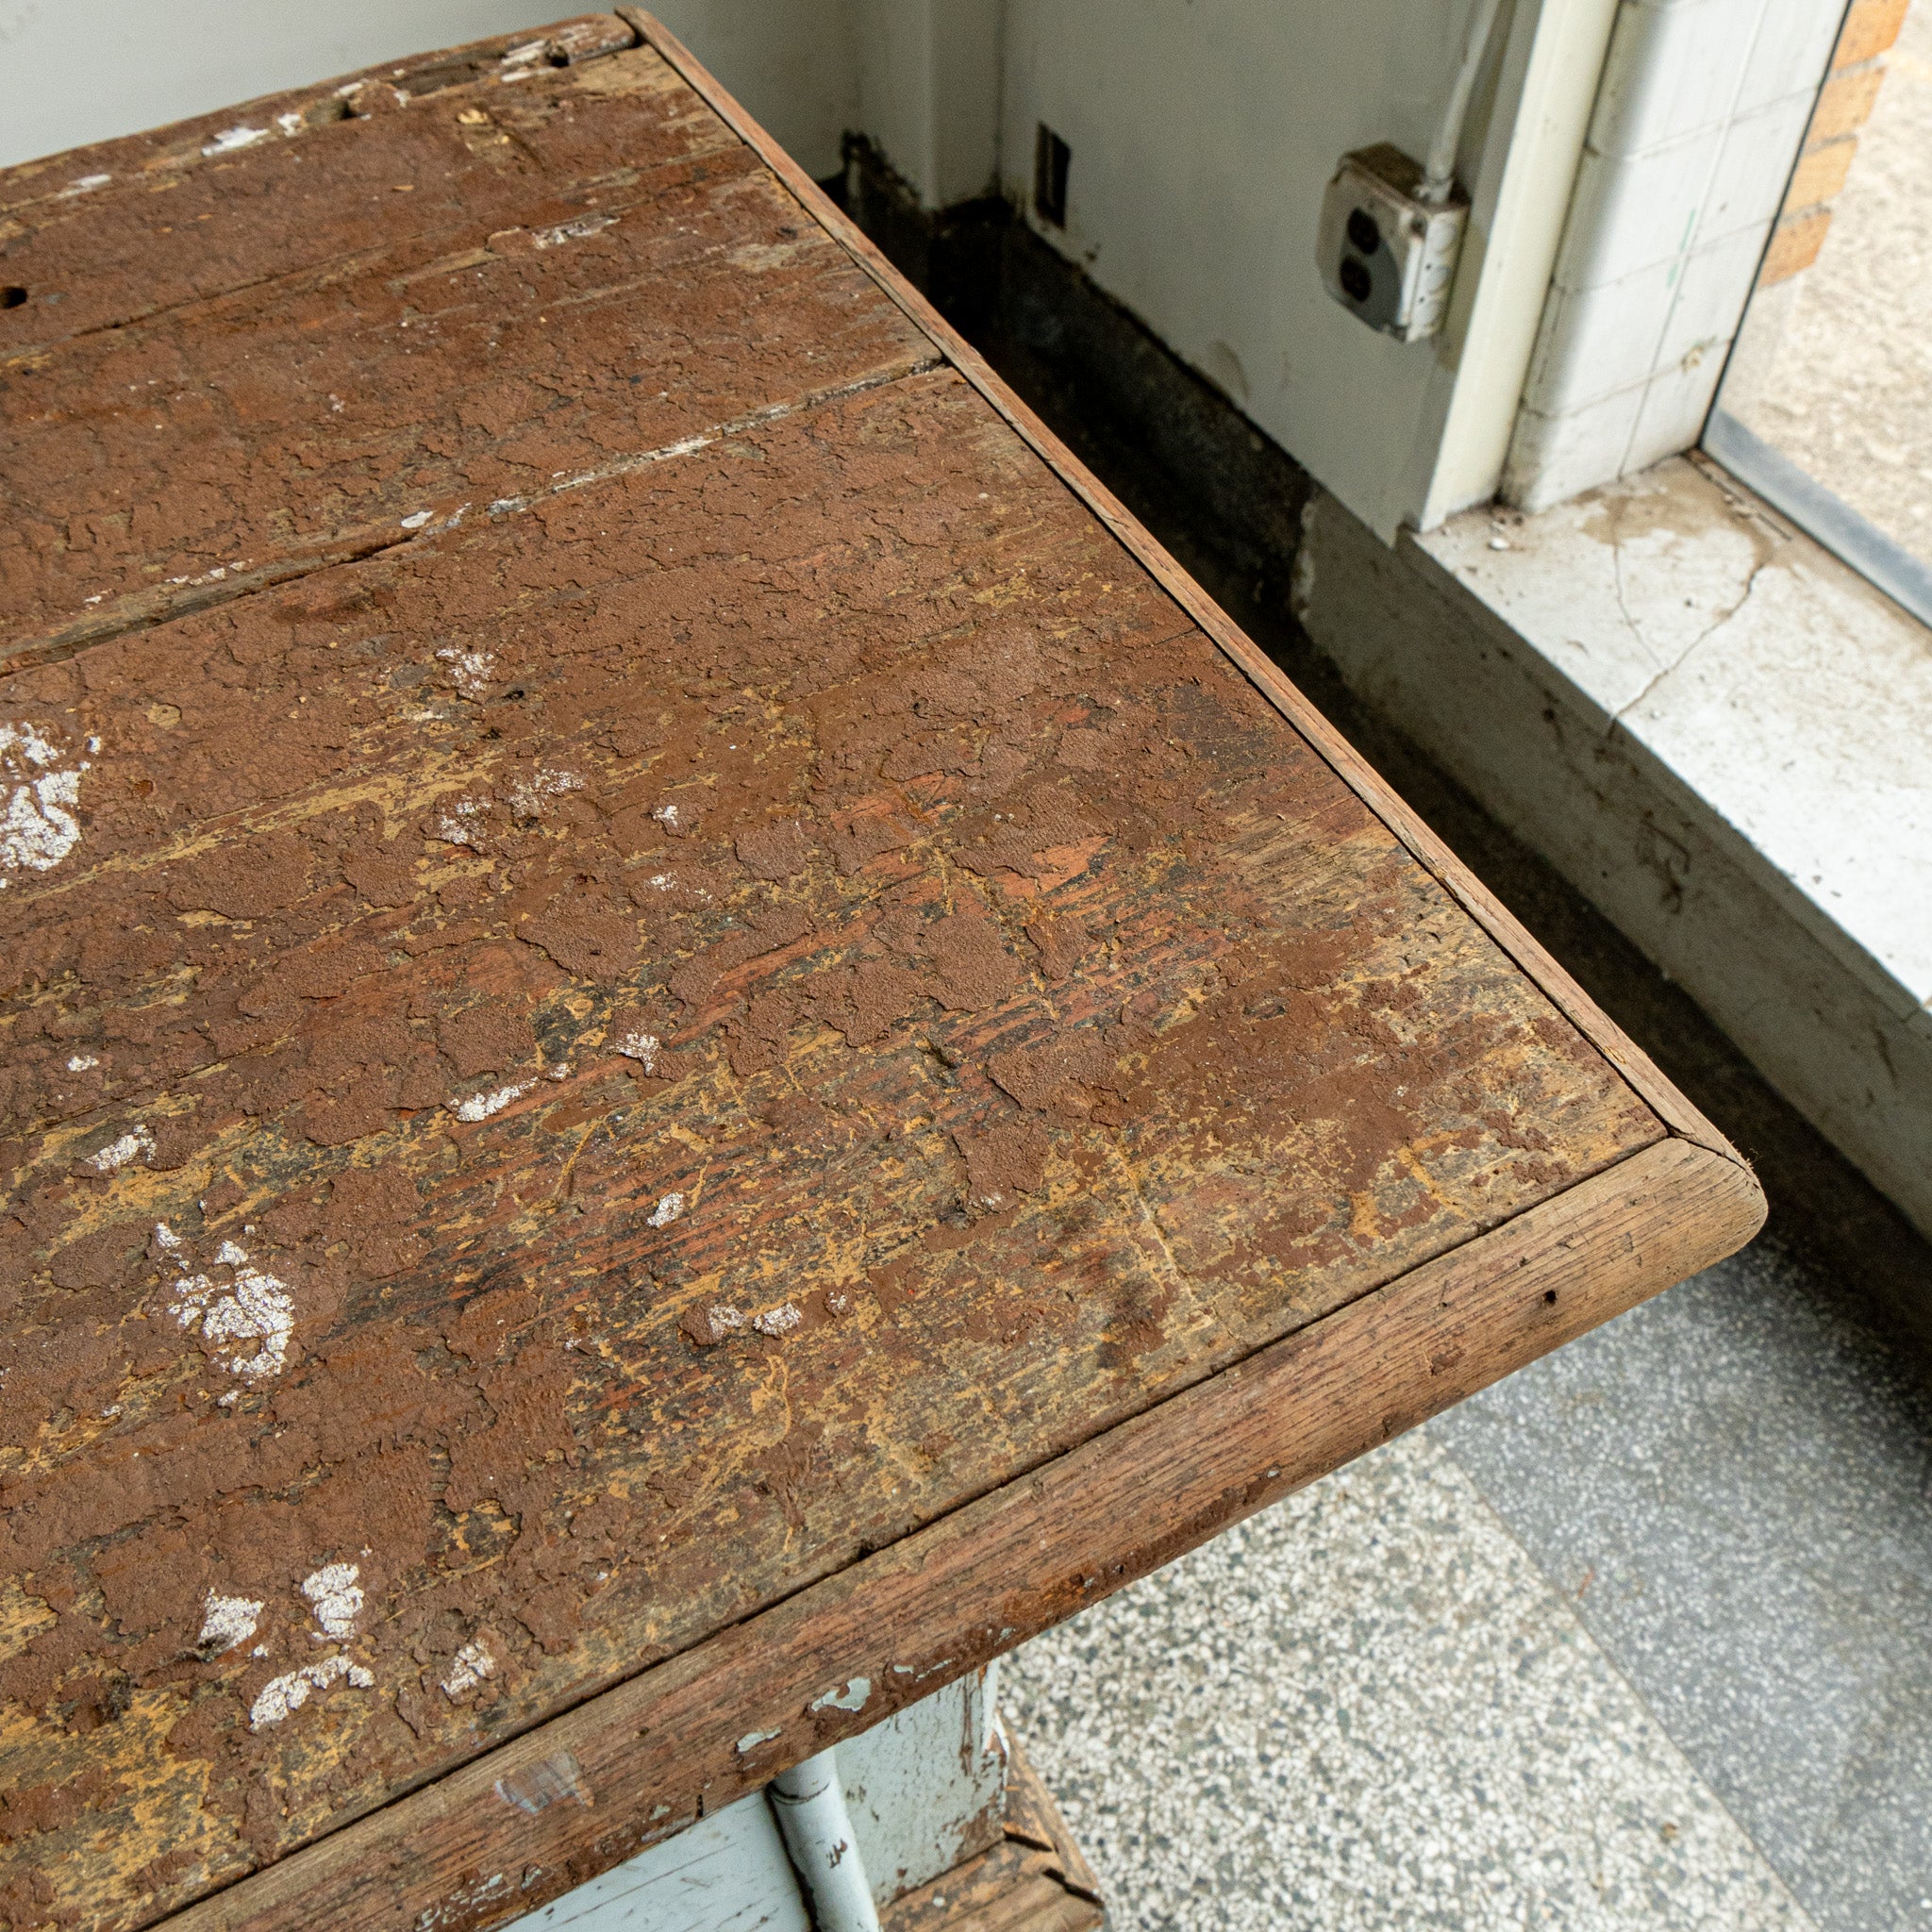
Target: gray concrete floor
1835, 366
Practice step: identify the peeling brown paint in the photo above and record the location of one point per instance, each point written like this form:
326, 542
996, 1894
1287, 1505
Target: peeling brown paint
586, 1068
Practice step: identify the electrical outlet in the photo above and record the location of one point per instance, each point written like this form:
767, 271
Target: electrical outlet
1386, 255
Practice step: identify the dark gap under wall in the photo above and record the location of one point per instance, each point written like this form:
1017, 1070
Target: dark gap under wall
1227, 502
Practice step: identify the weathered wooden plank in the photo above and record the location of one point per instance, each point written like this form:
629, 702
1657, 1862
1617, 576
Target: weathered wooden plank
192, 458
101, 236
1468, 891
640, 1761
1032, 1042
574, 1077
197, 457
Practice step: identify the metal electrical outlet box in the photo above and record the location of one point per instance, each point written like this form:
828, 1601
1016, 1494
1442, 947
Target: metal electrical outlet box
1386, 255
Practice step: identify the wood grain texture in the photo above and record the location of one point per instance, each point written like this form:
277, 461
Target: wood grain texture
1034, 1819
642, 1760
580, 320
1036, 1880
1010, 1889
579, 1079
1469, 891
104, 235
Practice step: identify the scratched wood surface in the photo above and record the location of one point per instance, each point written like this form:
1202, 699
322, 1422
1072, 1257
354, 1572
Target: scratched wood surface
635, 966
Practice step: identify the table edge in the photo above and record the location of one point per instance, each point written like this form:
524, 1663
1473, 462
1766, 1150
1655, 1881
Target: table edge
643, 1760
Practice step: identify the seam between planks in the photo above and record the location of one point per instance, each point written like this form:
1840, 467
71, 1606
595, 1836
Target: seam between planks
153, 609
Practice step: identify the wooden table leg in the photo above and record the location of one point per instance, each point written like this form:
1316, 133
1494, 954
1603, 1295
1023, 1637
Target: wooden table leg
1033, 1880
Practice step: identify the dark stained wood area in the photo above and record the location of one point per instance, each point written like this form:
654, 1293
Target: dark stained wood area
676, 1028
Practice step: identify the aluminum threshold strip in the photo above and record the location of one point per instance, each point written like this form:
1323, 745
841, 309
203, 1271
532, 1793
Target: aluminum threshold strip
1852, 537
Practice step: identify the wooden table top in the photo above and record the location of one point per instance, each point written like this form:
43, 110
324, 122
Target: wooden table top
687, 1044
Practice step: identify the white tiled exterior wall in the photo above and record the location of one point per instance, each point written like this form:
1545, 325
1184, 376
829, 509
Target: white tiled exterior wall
1698, 120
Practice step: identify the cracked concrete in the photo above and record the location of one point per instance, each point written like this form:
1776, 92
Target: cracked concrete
1689, 650
1798, 735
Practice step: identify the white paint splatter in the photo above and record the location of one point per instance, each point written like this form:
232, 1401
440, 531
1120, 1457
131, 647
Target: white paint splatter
290, 123
456, 825
666, 815
779, 1321
226, 1621
416, 520
86, 185
526, 795
232, 138
643, 1049
468, 1669
459, 1906
504, 505
470, 669
337, 1598
667, 1211
850, 1697
752, 1740
82, 1061
480, 1107
117, 1153
723, 1317
37, 828
570, 231
252, 1305
663, 881
282, 1696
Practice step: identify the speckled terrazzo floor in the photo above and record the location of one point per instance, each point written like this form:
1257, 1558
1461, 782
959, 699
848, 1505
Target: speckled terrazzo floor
1366, 1709
1637, 1639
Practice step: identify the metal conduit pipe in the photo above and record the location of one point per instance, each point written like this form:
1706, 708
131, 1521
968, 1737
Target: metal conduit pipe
1439, 171
809, 1801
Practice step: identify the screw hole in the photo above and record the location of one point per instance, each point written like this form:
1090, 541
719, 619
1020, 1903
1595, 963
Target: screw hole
11, 297
1550, 1296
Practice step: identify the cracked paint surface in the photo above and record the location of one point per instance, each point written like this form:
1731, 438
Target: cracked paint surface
947, 1010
